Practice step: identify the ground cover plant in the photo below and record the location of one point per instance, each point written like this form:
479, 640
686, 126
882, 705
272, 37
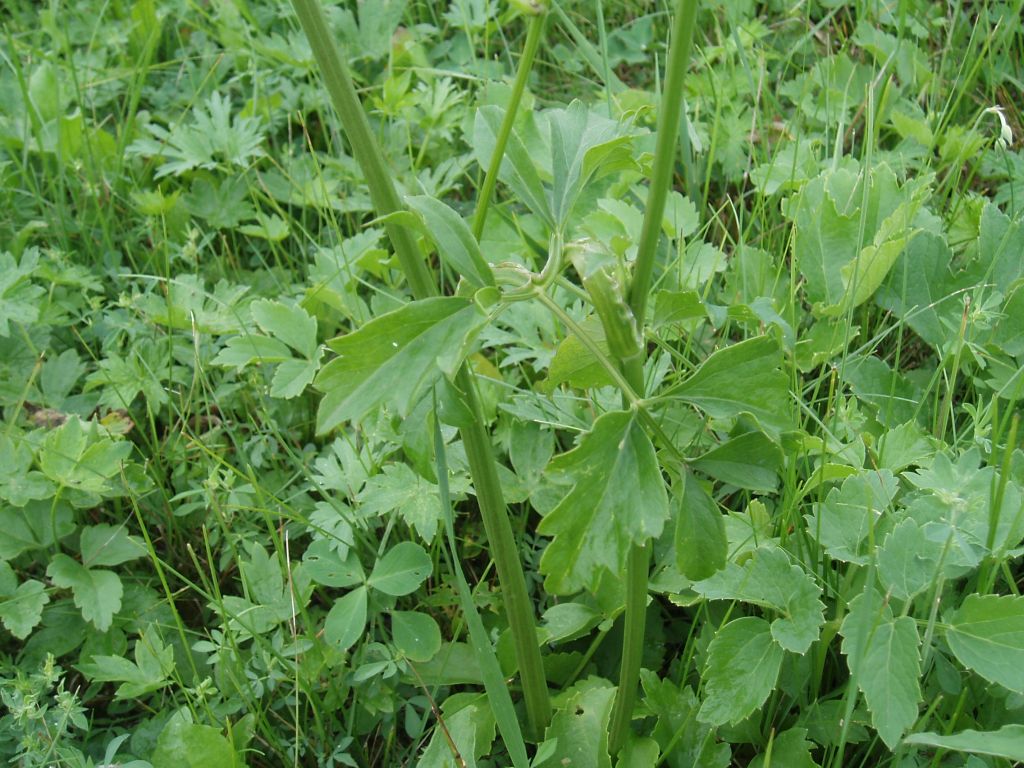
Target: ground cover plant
477, 383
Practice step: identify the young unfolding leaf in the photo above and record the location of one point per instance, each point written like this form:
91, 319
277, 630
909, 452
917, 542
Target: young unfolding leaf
617, 499
742, 669
395, 357
769, 579
741, 378
987, 635
882, 652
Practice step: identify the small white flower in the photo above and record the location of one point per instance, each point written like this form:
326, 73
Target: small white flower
1005, 134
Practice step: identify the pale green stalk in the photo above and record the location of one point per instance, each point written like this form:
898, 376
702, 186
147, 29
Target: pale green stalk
490, 669
385, 199
669, 112
533, 38
638, 559
986, 579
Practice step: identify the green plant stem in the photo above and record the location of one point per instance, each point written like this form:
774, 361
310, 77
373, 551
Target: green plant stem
637, 571
533, 38
346, 102
669, 113
638, 568
475, 437
505, 554
638, 559
986, 579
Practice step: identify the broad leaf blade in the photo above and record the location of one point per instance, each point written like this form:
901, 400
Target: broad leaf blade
882, 652
289, 324
581, 143
240, 351
618, 498
768, 579
394, 358
97, 592
743, 667
416, 635
751, 460
848, 514
987, 635
21, 605
580, 729
741, 378
701, 543
517, 168
109, 545
346, 620
401, 570
908, 561
575, 364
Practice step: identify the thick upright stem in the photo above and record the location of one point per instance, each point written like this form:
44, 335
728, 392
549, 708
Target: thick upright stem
638, 559
385, 199
505, 554
637, 571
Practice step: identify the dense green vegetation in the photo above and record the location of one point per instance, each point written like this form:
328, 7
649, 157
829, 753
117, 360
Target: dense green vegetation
523, 386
